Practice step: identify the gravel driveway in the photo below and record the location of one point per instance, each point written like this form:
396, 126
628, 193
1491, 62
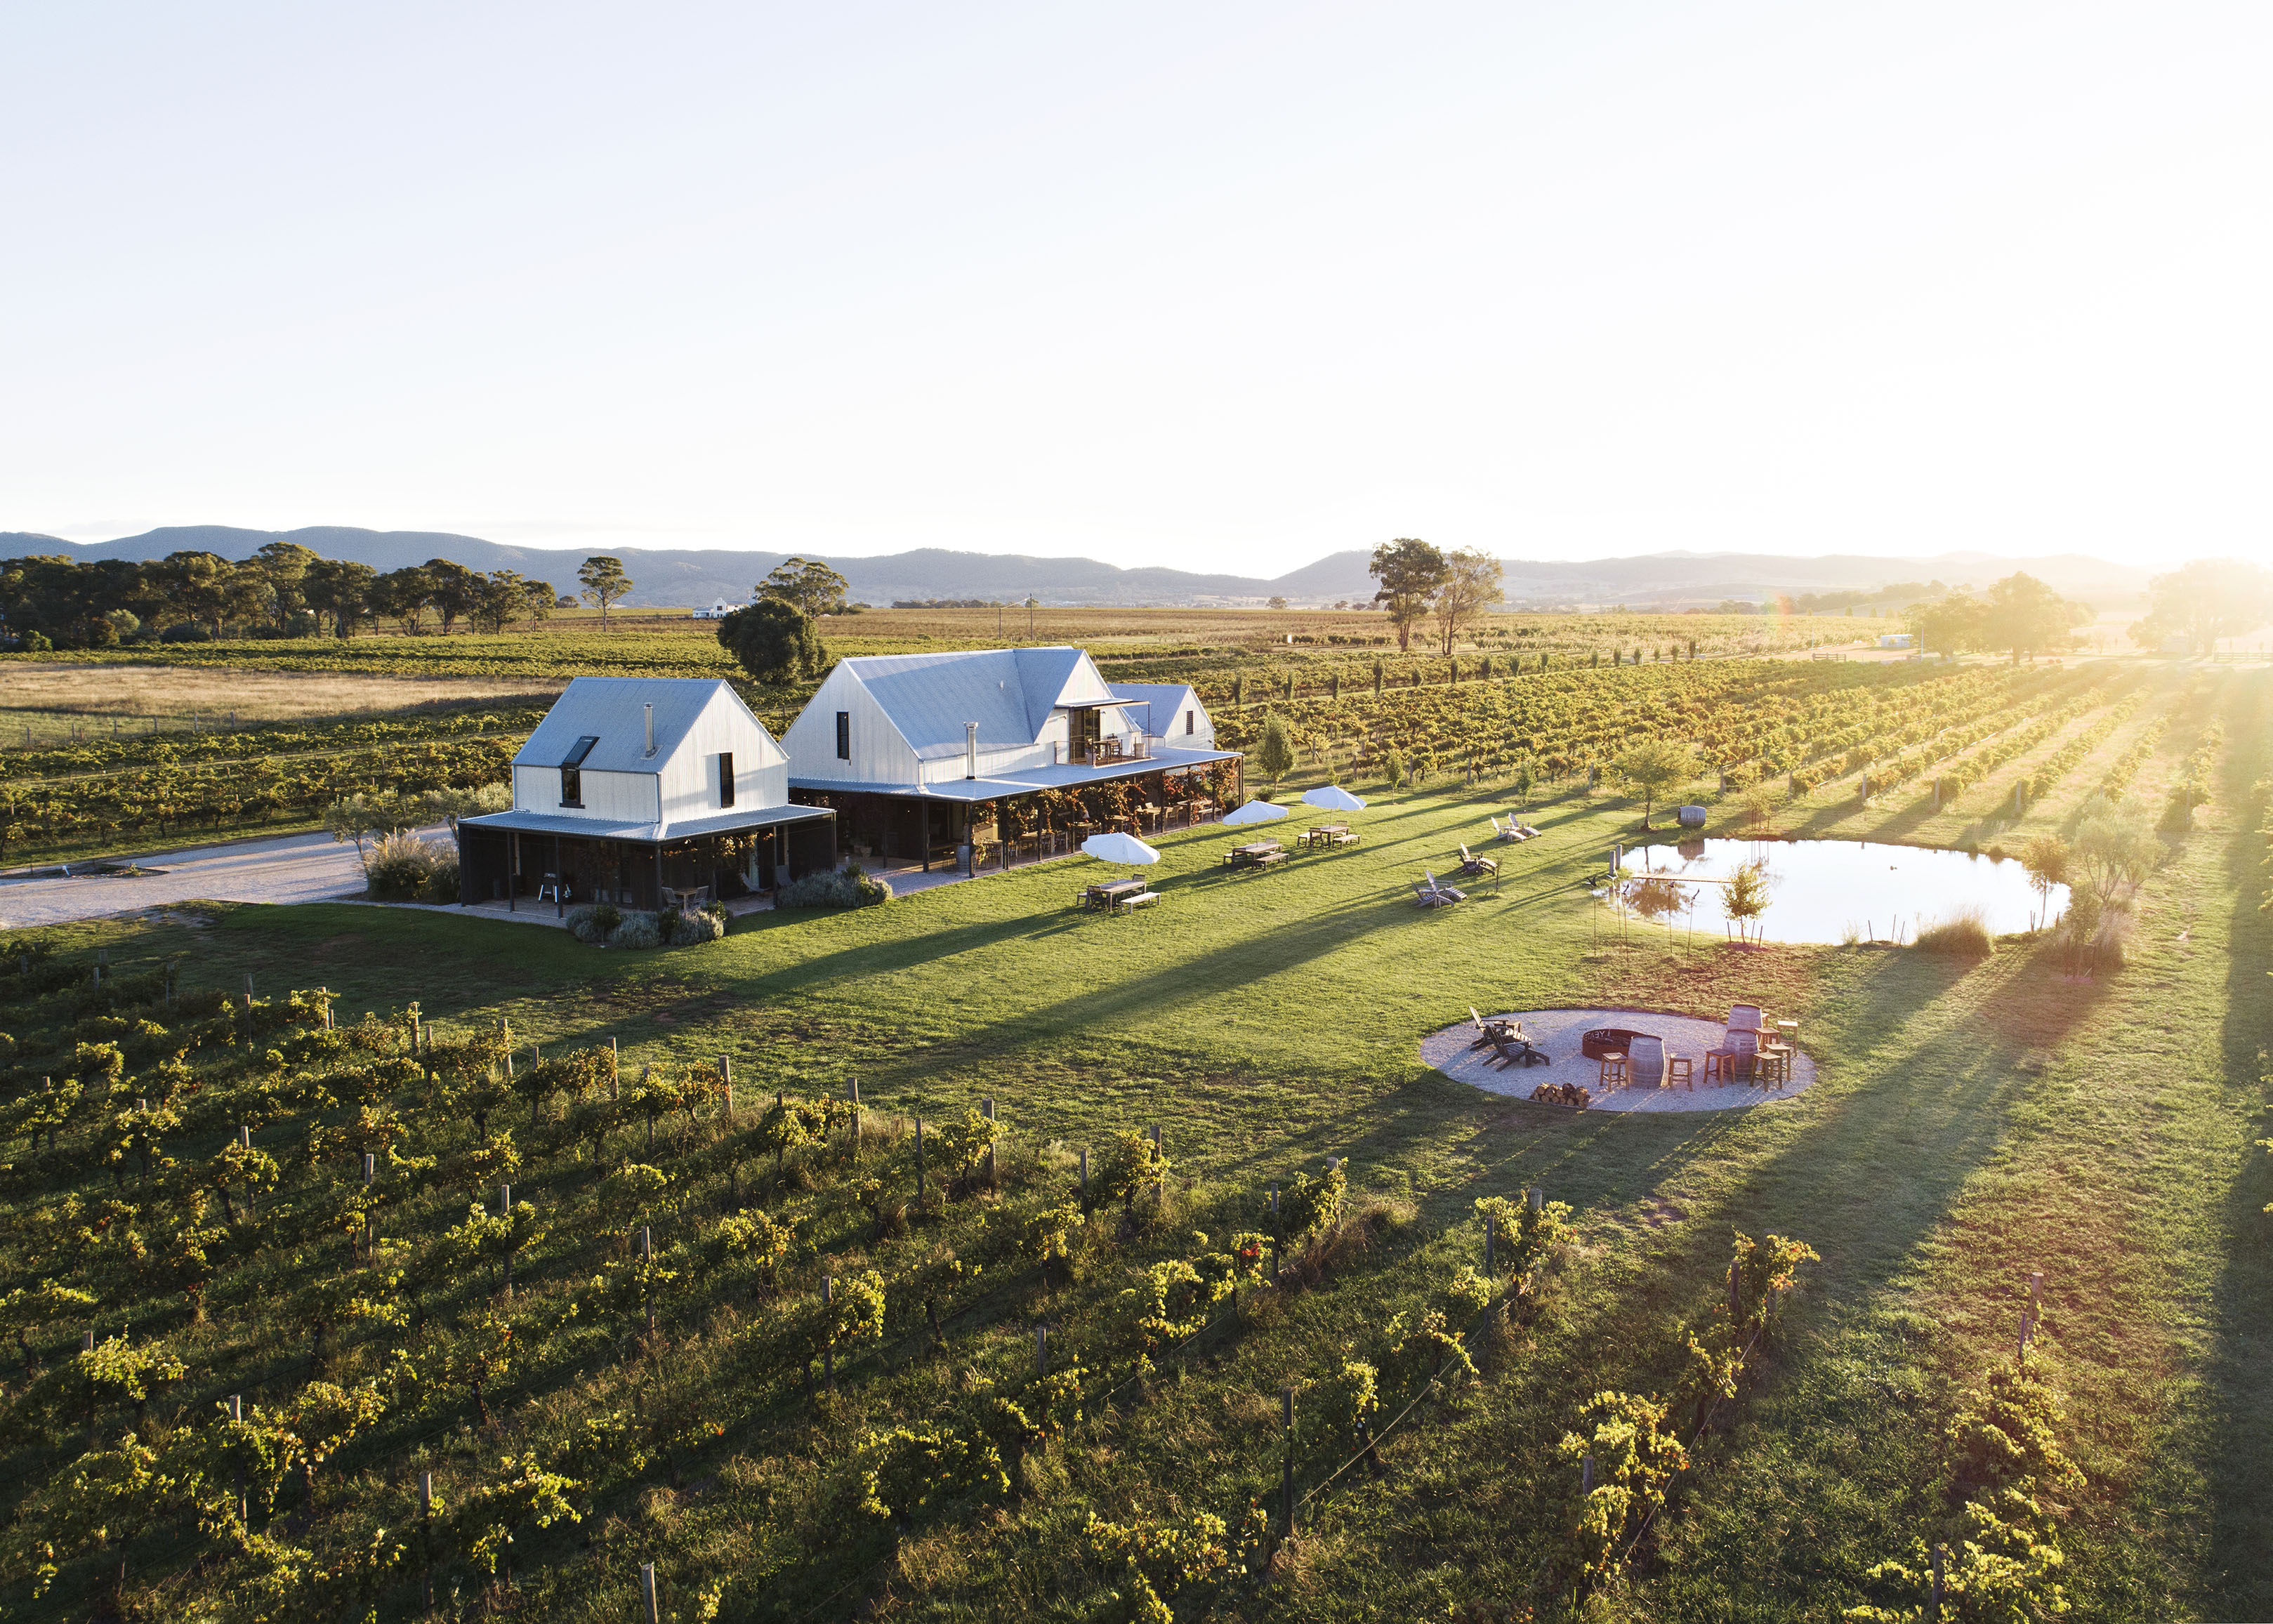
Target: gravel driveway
293, 868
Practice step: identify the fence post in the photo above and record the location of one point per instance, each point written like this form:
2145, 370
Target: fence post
1085, 1179
855, 1086
426, 1522
504, 1211
987, 1106
1585, 1474
1286, 1473
1160, 1183
919, 1164
828, 1347
646, 1590
1736, 1301
1933, 1602
1277, 1233
614, 1070
727, 1077
370, 1173
647, 1258
1041, 1351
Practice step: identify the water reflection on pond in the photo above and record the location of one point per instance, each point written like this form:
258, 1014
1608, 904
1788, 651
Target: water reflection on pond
1832, 890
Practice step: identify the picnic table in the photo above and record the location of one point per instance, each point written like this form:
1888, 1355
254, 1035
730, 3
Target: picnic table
1330, 834
1113, 893
1255, 854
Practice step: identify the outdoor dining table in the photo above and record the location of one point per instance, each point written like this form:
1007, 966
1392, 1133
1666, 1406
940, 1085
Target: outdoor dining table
1330, 834
1255, 854
1114, 892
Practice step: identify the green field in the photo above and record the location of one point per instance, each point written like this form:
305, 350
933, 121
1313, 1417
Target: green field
1975, 1121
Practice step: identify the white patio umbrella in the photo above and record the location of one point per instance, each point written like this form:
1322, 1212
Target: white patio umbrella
1254, 811
1333, 798
1114, 847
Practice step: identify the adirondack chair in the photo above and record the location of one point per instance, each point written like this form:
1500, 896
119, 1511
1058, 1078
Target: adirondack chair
1470, 864
1433, 895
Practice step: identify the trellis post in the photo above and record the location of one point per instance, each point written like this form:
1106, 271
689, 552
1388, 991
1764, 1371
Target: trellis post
646, 1590
829, 1345
1286, 1469
243, 1499
987, 1107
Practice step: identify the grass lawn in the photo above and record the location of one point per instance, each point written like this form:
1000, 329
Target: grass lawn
1973, 1121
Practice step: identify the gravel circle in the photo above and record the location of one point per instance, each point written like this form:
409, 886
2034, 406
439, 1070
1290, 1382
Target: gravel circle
1559, 1031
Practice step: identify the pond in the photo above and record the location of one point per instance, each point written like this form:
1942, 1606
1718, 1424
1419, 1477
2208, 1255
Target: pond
1838, 890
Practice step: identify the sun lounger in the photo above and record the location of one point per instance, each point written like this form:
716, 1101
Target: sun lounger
1470, 864
1433, 895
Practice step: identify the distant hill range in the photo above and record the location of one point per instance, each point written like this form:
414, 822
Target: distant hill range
687, 577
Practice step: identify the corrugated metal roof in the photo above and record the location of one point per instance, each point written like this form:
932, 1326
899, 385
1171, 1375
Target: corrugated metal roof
1028, 779
951, 790
1009, 692
1169, 699
613, 710
686, 829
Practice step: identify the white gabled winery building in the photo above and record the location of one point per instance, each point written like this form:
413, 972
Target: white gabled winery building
634, 785
920, 753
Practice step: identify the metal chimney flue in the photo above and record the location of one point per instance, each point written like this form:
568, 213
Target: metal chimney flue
650, 729
970, 749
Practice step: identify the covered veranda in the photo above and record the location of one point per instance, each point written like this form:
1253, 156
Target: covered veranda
522, 858
1026, 817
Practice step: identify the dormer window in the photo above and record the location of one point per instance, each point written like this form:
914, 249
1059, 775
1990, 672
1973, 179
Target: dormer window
572, 777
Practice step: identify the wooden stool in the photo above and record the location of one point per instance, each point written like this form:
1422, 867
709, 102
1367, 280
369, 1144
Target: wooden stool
1678, 1067
1776, 1063
1613, 1069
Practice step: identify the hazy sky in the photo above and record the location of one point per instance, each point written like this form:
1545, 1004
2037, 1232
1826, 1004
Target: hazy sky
1222, 286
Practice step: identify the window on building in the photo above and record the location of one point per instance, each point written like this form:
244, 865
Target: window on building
844, 735
571, 777
725, 778
1192, 721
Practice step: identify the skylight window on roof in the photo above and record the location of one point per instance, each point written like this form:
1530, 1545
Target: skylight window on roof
576, 757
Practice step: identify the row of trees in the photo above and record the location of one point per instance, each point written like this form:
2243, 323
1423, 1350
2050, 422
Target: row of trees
284, 589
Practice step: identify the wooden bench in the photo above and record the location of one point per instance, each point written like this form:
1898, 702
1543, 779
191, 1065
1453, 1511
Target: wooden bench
1143, 899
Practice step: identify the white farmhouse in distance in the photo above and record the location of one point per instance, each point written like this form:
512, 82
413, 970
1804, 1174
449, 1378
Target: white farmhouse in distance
637, 790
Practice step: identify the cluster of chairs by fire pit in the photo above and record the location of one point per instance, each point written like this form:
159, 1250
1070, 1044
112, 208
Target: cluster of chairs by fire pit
1750, 1052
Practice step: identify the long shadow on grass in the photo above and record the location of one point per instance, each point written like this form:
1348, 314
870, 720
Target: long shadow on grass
2239, 1564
